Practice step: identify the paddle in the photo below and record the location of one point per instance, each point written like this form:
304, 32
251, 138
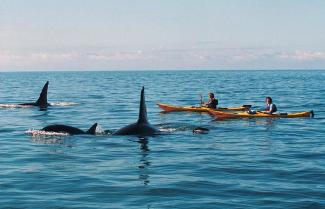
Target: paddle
201, 100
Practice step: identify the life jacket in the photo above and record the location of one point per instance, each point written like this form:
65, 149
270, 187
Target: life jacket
213, 103
274, 108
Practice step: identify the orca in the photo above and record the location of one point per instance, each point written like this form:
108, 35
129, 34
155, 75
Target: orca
200, 130
69, 129
142, 127
42, 100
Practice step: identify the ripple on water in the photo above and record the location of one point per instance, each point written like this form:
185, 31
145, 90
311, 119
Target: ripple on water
249, 163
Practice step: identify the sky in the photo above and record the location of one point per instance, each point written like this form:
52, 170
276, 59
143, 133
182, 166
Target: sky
41, 35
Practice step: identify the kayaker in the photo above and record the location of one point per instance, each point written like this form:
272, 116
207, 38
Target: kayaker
270, 107
212, 103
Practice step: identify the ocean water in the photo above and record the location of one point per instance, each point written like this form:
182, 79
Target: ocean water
240, 163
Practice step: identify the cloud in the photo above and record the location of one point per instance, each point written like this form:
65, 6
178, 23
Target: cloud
9, 57
6, 57
162, 58
71, 59
303, 55
117, 56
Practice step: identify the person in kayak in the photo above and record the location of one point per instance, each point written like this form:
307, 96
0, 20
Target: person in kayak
212, 103
270, 107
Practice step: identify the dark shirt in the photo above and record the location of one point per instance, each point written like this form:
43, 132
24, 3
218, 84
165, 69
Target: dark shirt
212, 103
271, 107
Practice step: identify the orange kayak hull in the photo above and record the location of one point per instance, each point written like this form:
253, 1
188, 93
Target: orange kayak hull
173, 108
228, 115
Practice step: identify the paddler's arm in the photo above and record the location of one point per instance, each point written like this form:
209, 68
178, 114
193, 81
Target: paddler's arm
201, 100
265, 112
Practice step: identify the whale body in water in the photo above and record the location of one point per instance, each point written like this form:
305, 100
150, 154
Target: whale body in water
58, 128
142, 127
42, 99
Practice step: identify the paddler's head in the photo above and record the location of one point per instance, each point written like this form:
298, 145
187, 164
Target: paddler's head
211, 95
268, 100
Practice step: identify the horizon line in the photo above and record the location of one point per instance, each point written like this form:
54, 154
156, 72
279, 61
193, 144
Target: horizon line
158, 70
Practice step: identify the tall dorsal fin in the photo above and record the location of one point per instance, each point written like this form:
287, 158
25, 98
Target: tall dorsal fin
92, 129
42, 100
143, 109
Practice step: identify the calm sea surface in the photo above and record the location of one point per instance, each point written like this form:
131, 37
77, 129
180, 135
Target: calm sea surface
246, 163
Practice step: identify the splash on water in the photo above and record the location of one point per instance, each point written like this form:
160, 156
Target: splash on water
46, 137
169, 130
44, 140
101, 131
44, 133
63, 104
35, 133
60, 104
14, 106
173, 127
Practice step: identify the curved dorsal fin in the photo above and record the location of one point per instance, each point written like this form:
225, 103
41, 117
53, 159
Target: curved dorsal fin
42, 100
92, 129
143, 109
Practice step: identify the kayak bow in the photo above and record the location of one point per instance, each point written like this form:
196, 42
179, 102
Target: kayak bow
172, 108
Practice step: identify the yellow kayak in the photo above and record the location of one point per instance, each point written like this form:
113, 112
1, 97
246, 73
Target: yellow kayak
228, 115
172, 108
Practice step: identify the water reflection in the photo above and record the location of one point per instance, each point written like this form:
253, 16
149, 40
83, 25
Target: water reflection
42, 113
268, 123
144, 163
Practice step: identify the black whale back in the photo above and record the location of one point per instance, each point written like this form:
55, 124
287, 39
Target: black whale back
42, 100
142, 109
142, 127
63, 129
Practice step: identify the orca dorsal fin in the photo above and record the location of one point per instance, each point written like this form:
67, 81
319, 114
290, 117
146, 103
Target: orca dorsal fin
92, 129
42, 100
143, 109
